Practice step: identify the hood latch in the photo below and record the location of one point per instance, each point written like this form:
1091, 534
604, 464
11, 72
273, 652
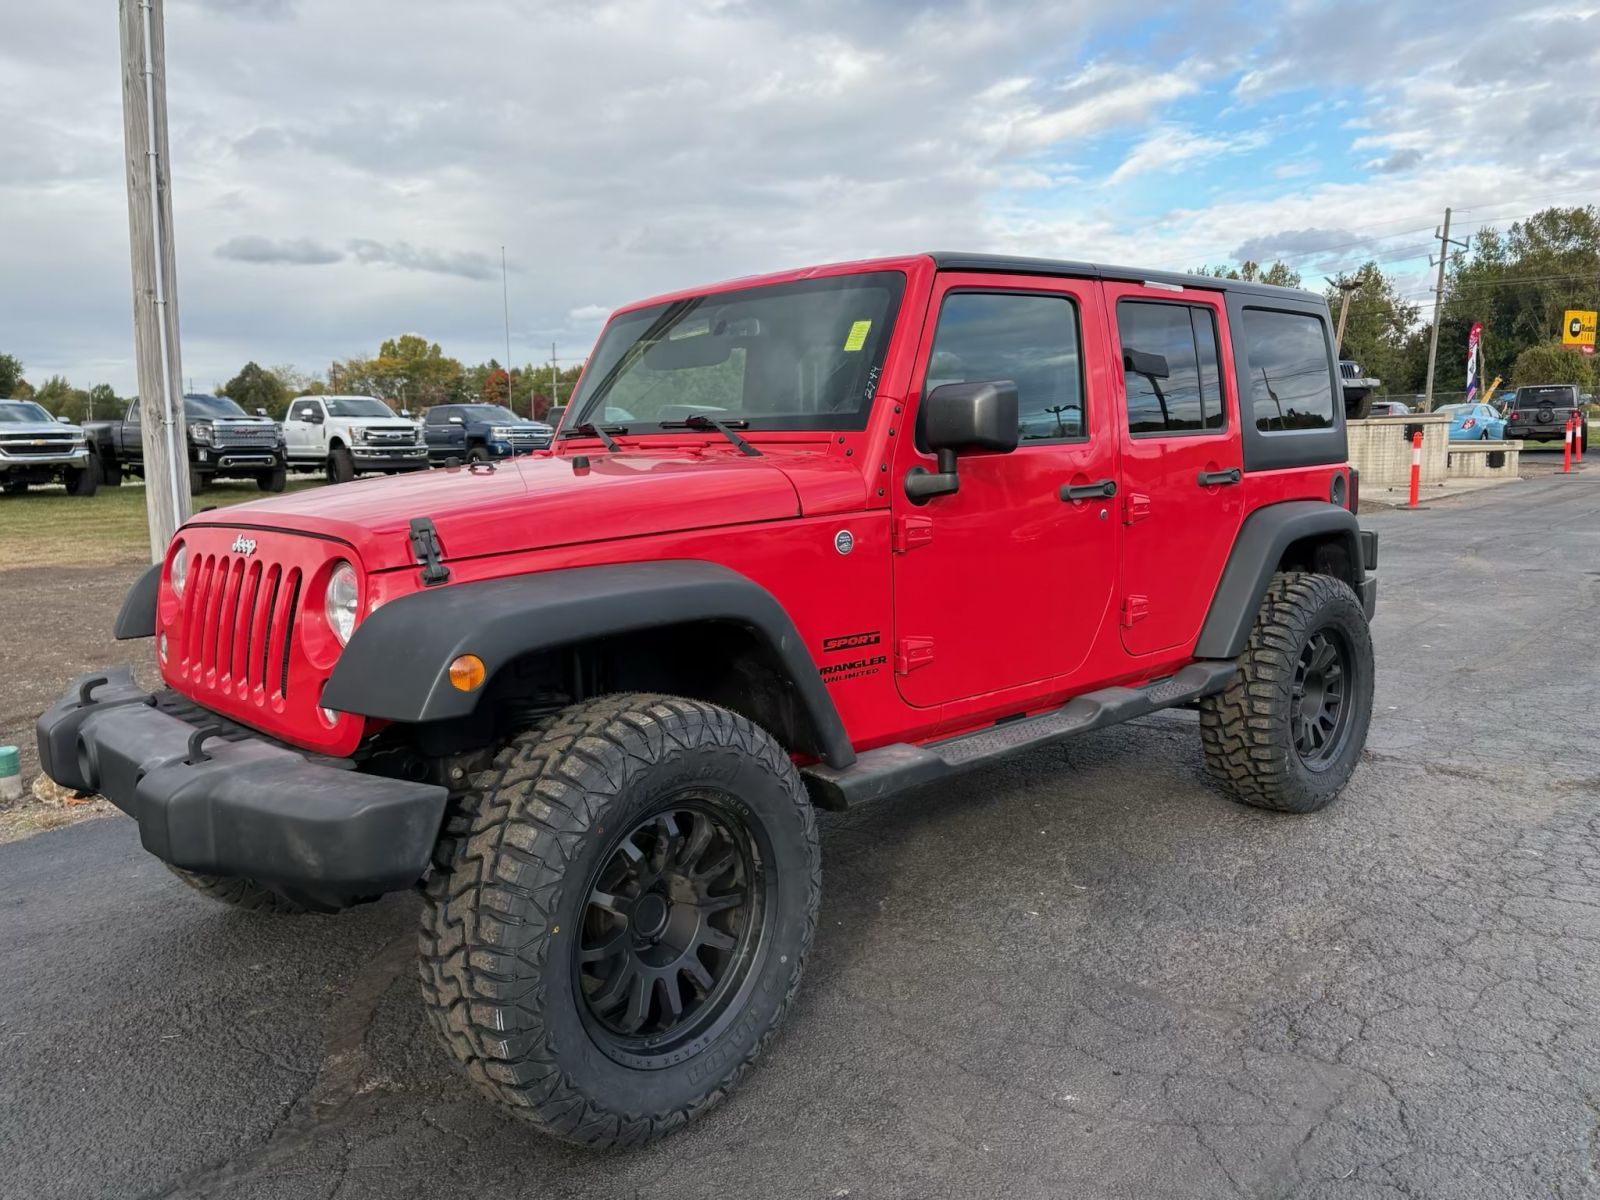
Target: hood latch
430, 555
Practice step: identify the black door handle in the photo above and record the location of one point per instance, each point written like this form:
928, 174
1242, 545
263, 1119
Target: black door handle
1219, 478
1100, 489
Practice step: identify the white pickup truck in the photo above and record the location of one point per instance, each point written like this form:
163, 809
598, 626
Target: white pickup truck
348, 436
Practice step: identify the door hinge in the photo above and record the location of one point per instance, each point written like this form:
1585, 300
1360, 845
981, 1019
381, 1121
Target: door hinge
1135, 608
911, 653
911, 532
1135, 507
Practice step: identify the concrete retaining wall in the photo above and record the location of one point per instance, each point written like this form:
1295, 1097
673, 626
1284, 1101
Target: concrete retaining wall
1475, 460
1380, 448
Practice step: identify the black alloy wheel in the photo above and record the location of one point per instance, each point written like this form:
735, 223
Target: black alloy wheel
674, 920
1317, 703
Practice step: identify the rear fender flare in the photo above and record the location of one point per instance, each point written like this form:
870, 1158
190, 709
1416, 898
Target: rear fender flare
396, 666
1257, 552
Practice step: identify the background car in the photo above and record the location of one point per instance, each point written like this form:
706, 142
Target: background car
481, 432
1389, 408
1474, 422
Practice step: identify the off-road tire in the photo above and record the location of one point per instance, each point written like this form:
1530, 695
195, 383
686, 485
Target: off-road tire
273, 479
341, 467
109, 473
1246, 729
513, 871
244, 894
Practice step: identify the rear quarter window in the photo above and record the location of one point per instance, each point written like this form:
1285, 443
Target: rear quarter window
1291, 381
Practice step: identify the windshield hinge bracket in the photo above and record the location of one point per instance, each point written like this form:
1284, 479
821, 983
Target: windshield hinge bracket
430, 555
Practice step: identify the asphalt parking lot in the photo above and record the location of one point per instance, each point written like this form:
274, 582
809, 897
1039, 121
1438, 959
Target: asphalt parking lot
1086, 974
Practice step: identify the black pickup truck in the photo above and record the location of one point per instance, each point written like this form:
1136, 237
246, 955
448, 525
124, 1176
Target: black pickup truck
225, 442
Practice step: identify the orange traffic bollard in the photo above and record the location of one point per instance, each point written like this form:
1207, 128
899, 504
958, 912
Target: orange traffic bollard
1416, 466
1566, 448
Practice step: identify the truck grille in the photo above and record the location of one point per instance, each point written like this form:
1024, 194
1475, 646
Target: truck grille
238, 626
22, 445
246, 435
391, 437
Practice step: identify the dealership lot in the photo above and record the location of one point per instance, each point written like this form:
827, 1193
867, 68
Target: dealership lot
1083, 974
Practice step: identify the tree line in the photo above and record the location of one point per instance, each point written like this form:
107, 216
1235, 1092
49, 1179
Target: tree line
1518, 282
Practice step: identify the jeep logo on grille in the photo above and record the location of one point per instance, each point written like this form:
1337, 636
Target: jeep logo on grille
244, 545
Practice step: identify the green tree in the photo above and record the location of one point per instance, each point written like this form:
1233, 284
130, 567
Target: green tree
10, 374
104, 403
254, 388
1551, 362
62, 399
1377, 332
1279, 274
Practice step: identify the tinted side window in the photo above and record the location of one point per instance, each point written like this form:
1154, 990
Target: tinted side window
439, 416
1290, 383
1188, 399
1028, 338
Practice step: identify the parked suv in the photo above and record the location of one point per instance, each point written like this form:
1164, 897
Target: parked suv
1540, 413
224, 442
1358, 388
804, 541
35, 448
480, 432
346, 436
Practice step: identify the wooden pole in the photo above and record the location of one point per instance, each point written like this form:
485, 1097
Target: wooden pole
155, 272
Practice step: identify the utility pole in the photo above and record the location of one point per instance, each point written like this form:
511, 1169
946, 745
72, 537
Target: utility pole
555, 379
1438, 306
1347, 288
155, 270
505, 299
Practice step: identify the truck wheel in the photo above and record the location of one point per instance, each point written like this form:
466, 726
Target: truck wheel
341, 467
81, 481
197, 482
16, 489
274, 479
1290, 728
477, 454
110, 473
240, 893
619, 911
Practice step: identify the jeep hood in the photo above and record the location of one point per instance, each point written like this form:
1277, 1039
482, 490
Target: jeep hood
546, 501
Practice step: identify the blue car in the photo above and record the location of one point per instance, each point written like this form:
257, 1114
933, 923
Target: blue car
1474, 422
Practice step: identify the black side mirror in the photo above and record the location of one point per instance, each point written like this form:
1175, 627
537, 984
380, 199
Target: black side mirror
958, 418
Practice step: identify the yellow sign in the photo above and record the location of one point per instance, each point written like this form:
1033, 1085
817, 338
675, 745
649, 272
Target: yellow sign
858, 334
1578, 330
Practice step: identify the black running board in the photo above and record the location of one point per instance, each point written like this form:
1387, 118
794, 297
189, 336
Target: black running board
890, 769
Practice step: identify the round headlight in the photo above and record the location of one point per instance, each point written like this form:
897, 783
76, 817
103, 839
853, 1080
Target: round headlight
180, 568
339, 605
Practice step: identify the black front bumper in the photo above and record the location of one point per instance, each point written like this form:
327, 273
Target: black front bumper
237, 804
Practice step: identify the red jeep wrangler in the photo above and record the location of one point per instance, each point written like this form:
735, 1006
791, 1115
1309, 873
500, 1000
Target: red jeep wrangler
803, 541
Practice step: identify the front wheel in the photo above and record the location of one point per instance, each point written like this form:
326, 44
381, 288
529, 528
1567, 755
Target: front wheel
341, 467
1290, 728
273, 479
618, 916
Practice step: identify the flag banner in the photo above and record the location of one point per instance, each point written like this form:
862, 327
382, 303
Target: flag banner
1472, 360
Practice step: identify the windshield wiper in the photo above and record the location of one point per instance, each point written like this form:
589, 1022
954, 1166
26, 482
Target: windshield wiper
701, 421
590, 429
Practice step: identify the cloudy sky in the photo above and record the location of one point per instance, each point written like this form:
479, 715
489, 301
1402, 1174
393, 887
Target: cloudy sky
346, 170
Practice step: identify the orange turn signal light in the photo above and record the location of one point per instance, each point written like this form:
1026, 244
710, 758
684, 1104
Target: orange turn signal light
466, 672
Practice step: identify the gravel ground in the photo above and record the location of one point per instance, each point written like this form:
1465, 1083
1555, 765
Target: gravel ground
1083, 973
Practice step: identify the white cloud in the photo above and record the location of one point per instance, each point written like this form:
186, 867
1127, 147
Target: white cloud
1170, 147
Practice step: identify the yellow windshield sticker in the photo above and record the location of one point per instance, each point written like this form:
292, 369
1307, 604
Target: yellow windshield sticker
858, 335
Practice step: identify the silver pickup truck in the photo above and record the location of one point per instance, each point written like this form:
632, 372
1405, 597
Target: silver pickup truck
35, 448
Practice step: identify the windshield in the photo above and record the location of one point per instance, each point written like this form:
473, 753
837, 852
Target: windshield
803, 355
210, 406
356, 406
492, 412
24, 412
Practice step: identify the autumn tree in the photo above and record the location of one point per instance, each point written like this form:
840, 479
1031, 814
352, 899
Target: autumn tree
497, 387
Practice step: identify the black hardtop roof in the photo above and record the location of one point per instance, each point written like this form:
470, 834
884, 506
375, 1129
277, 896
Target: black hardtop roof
1008, 264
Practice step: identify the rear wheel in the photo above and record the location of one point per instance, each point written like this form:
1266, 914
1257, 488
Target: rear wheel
110, 472
1290, 728
240, 893
341, 467
618, 915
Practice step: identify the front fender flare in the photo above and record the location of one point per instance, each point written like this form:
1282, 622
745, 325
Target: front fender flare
396, 666
1263, 538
